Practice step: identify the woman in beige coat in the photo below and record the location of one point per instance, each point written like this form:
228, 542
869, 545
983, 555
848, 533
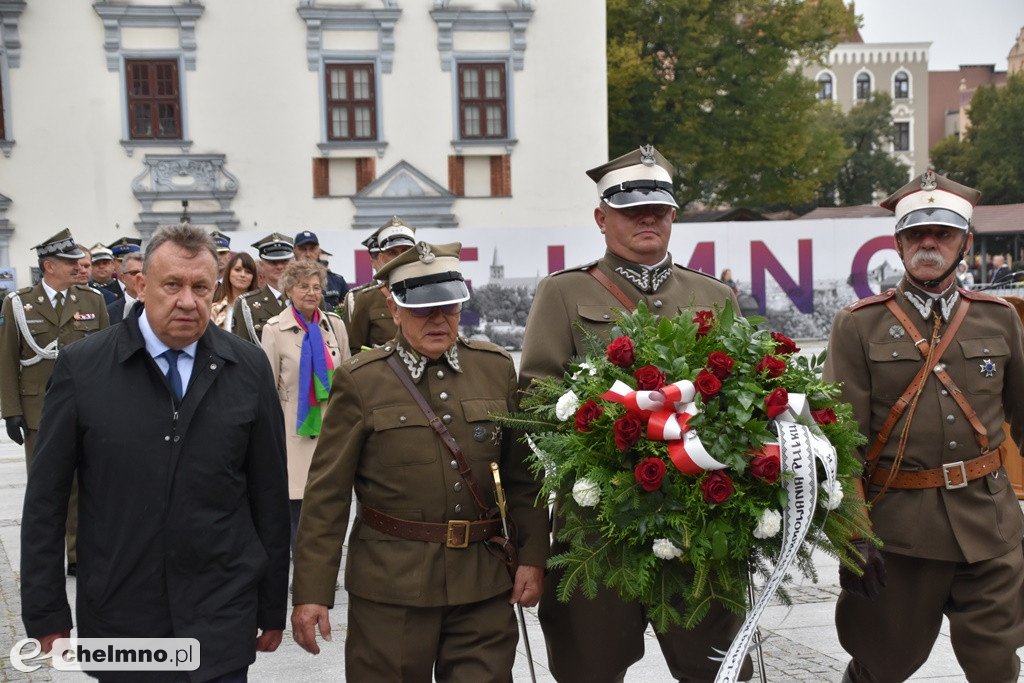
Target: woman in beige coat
304, 345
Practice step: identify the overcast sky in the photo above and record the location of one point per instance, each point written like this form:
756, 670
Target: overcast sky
960, 31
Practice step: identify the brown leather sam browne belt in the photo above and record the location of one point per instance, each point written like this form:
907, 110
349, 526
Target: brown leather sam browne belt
953, 475
458, 533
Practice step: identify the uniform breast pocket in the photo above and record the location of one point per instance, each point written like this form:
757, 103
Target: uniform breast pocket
893, 367
596, 315
984, 362
485, 434
402, 436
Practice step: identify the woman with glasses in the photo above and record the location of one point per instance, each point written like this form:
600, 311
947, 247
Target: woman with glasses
304, 346
427, 599
239, 278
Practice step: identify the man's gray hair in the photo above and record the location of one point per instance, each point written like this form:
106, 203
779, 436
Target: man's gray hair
300, 270
191, 238
132, 256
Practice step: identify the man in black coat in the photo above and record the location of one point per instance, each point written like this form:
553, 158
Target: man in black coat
183, 497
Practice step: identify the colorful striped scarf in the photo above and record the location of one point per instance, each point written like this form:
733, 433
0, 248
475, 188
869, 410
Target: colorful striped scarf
315, 371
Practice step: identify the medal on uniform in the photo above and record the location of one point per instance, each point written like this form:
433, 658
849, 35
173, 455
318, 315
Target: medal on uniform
479, 433
85, 316
896, 331
988, 368
255, 304
28, 307
40, 299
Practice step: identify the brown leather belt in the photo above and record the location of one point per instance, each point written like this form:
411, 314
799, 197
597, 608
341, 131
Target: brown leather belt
458, 533
953, 475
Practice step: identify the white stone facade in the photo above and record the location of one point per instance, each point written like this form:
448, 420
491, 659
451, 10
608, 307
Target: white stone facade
253, 152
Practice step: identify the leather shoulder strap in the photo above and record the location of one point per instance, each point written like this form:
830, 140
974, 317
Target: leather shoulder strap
903, 401
446, 437
596, 273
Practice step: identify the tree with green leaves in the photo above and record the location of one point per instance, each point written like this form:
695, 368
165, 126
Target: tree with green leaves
712, 85
868, 130
991, 155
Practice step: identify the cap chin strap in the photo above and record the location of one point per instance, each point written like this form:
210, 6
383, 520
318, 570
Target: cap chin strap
949, 271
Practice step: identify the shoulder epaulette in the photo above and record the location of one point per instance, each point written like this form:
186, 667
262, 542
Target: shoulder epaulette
479, 345
21, 292
699, 272
575, 269
370, 355
246, 295
983, 296
87, 288
868, 301
363, 287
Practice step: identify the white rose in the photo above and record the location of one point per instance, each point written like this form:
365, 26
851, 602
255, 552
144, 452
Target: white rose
591, 370
665, 549
567, 405
769, 524
834, 497
586, 492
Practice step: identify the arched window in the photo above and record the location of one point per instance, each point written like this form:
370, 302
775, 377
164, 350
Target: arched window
825, 87
901, 86
863, 86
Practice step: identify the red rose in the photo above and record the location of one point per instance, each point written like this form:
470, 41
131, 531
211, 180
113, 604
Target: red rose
628, 430
707, 384
703, 320
783, 344
824, 416
770, 365
720, 364
775, 403
766, 466
649, 378
716, 487
649, 473
587, 413
620, 352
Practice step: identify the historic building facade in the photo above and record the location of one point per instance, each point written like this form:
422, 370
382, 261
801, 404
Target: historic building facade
293, 115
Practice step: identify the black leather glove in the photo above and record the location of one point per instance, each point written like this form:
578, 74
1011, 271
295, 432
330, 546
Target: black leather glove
16, 428
873, 564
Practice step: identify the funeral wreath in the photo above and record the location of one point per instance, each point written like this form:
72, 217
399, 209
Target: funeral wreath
663, 452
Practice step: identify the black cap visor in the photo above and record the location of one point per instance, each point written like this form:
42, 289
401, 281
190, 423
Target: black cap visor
426, 291
933, 216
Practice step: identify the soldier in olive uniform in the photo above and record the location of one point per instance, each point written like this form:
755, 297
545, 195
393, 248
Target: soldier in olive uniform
426, 595
35, 323
953, 359
253, 309
366, 313
597, 640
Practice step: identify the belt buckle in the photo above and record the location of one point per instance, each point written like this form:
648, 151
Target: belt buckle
451, 538
963, 474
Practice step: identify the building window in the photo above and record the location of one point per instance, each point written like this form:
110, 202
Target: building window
825, 87
901, 86
483, 101
863, 87
351, 102
901, 142
154, 99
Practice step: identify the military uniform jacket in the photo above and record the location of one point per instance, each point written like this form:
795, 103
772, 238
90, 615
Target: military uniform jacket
573, 296
335, 292
875, 359
377, 439
260, 306
367, 318
282, 342
22, 387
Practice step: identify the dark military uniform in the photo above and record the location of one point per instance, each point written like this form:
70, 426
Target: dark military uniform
377, 439
26, 360
953, 551
335, 292
597, 640
252, 310
367, 318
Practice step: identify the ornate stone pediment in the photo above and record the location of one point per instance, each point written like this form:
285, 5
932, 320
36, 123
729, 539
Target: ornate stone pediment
198, 178
404, 191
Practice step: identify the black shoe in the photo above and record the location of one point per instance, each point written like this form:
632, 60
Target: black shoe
72, 569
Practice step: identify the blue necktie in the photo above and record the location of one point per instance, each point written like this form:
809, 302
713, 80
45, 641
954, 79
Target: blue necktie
173, 376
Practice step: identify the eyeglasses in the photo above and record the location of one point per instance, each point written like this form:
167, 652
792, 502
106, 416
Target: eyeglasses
427, 311
306, 288
131, 273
